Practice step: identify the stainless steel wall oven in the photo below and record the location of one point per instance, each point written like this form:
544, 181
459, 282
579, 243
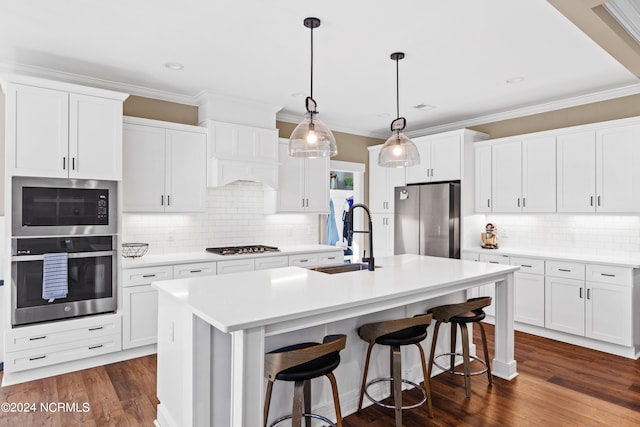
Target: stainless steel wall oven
90, 272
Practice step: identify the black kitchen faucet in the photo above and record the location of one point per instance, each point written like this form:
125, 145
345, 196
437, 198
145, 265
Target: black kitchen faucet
349, 222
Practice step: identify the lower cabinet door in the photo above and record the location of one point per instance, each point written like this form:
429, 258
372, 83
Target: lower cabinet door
564, 305
609, 313
529, 299
140, 320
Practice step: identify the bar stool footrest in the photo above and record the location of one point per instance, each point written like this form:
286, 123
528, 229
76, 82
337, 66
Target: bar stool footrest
452, 369
316, 416
384, 405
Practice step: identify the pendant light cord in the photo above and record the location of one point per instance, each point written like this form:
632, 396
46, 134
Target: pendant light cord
311, 62
397, 90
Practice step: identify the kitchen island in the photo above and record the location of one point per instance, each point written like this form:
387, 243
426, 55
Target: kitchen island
213, 331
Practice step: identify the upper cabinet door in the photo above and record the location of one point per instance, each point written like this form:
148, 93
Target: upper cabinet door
95, 137
617, 170
37, 131
507, 177
186, 171
446, 159
576, 160
317, 185
143, 171
539, 175
422, 171
378, 194
483, 179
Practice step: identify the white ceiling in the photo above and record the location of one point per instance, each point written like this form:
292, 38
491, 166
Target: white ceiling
459, 54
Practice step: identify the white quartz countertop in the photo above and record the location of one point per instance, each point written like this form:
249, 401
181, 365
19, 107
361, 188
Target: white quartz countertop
558, 255
204, 256
243, 300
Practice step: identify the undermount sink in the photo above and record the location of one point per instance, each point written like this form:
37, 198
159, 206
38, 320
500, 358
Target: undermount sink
342, 268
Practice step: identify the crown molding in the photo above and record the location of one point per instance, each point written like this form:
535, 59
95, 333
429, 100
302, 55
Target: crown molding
545, 107
45, 73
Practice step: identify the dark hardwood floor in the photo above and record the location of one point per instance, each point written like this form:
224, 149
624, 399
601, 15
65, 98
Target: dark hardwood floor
559, 385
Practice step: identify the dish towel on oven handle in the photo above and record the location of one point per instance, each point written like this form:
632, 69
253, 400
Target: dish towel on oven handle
54, 276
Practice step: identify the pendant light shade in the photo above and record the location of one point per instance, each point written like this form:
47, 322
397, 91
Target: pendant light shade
398, 151
312, 138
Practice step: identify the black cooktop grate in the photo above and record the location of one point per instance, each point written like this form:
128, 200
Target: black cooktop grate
242, 250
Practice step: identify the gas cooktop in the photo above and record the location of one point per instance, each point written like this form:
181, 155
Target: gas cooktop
242, 250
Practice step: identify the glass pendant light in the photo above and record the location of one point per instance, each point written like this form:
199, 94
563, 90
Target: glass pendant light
312, 138
399, 151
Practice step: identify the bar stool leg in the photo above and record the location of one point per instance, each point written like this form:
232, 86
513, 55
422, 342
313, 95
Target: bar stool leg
307, 402
426, 377
391, 371
267, 402
364, 376
434, 341
465, 356
397, 383
296, 412
452, 358
336, 398
486, 352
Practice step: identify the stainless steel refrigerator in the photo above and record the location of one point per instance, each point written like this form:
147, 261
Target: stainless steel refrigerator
427, 220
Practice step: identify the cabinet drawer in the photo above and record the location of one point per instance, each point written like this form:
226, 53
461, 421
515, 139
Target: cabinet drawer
304, 260
570, 270
528, 265
235, 266
59, 353
271, 262
146, 275
610, 274
31, 337
494, 258
195, 269
331, 258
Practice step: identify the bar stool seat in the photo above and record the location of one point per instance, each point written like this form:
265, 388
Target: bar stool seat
459, 315
395, 334
300, 363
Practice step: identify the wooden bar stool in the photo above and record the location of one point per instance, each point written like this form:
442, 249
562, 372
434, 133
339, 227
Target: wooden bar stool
301, 363
396, 333
459, 315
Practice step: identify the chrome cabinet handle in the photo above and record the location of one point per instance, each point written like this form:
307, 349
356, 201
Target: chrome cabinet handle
591, 201
598, 200
524, 202
97, 328
38, 357
162, 200
37, 338
588, 293
564, 270
607, 275
518, 201
168, 200
73, 163
64, 163
95, 346
148, 275
580, 293
195, 271
526, 265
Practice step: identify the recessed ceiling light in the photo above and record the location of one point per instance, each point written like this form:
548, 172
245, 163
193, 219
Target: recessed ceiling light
424, 107
517, 79
175, 66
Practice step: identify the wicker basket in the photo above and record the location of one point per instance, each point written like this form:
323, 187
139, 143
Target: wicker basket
134, 250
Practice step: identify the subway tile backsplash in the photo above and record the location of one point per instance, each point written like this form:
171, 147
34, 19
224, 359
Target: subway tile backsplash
598, 234
234, 217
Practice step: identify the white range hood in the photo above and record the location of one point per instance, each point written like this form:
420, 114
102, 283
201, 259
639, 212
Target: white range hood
242, 140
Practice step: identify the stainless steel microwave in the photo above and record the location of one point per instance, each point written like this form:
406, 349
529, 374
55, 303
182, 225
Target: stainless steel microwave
63, 207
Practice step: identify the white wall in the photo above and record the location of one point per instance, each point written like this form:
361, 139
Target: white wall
234, 217
604, 235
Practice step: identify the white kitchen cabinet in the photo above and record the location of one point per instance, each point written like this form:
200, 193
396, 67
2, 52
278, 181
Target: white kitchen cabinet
303, 184
271, 262
47, 344
522, 176
236, 266
528, 291
576, 172
440, 159
239, 152
382, 184
53, 132
195, 269
506, 177
383, 236
600, 307
617, 171
164, 167
483, 179
140, 304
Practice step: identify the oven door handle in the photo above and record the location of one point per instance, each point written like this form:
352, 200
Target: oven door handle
20, 258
